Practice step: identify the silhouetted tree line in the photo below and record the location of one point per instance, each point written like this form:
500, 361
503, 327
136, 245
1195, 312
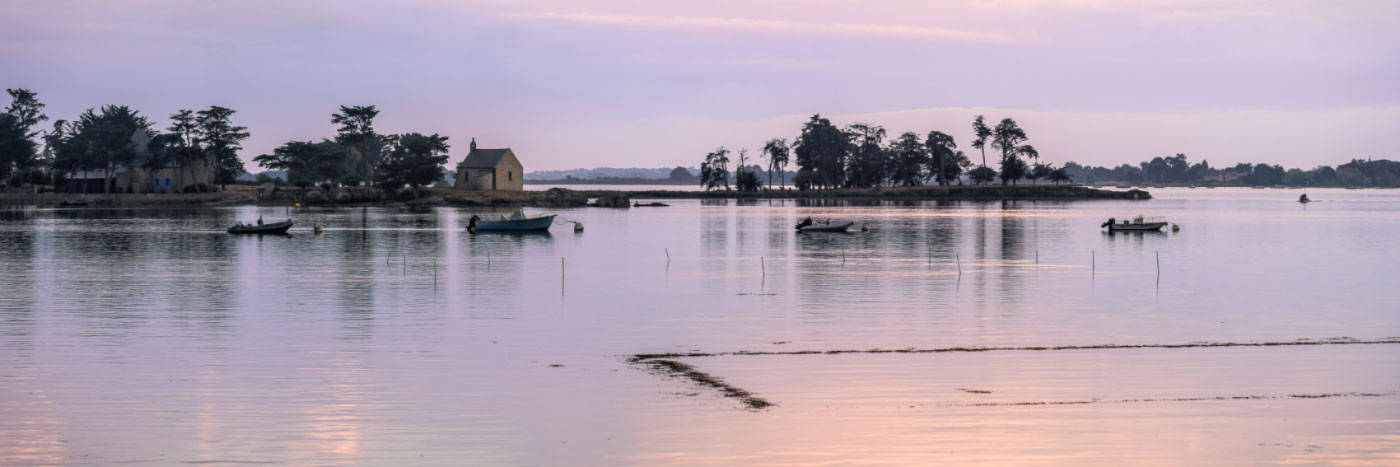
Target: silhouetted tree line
359, 154
861, 156
1176, 170
102, 140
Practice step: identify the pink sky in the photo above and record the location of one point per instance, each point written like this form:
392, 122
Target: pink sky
651, 84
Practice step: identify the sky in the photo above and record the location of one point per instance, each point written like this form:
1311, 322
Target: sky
645, 83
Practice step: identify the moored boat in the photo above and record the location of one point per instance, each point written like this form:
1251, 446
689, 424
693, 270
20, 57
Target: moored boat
515, 222
1138, 224
1304, 198
273, 228
808, 225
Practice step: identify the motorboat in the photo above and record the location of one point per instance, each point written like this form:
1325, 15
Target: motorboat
1304, 198
1138, 224
514, 222
808, 225
277, 228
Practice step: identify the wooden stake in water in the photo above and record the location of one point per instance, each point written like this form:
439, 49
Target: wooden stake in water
561, 273
405, 265
668, 256
434, 273
959, 258
762, 267
1159, 262
1037, 258
1093, 262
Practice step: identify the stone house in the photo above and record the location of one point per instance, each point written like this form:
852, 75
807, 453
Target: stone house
490, 169
139, 179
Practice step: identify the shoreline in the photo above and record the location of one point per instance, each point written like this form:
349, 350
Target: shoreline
561, 197
952, 193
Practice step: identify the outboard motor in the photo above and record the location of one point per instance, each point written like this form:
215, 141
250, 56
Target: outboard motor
805, 222
1110, 222
471, 223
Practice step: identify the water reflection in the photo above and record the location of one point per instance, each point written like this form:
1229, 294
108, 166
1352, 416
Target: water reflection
150, 334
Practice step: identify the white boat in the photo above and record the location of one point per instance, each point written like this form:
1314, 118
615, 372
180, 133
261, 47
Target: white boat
808, 225
1138, 224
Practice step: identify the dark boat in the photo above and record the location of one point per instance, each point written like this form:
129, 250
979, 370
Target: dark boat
515, 222
839, 226
70, 203
273, 228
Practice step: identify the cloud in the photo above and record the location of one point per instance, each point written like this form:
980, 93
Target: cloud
769, 25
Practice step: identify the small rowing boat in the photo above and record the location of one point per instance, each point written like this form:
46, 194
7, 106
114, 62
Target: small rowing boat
262, 229
516, 222
808, 225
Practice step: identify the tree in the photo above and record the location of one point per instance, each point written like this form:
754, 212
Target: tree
413, 159
982, 175
221, 140
357, 132
103, 141
25, 106
715, 170
959, 165
162, 152
1200, 171
1008, 138
1028, 151
185, 147
1060, 175
681, 174
53, 138
18, 150
777, 152
822, 150
943, 156
1265, 174
980, 135
908, 156
1013, 169
308, 161
1040, 171
744, 178
1176, 168
868, 160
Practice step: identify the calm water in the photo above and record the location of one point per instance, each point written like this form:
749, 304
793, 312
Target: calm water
396, 338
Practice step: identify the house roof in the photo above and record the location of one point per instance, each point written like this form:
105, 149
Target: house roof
484, 158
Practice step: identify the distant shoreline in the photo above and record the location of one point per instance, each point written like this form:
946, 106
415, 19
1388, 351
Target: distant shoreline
955, 192
560, 197
612, 181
